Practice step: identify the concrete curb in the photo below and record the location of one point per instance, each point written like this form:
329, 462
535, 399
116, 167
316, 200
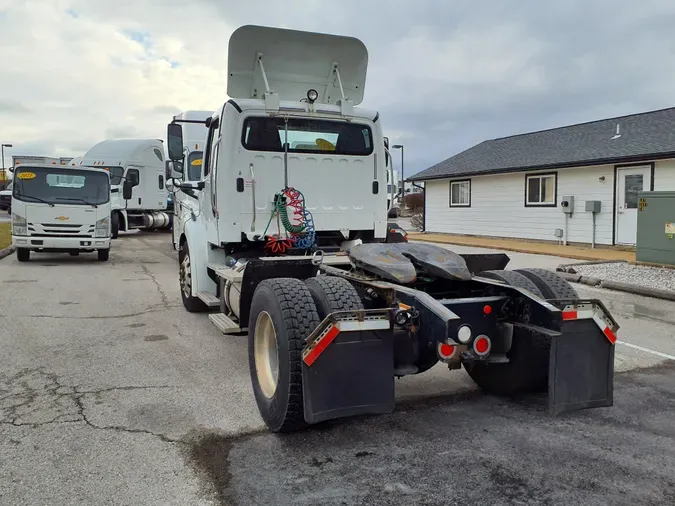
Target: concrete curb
6, 252
621, 287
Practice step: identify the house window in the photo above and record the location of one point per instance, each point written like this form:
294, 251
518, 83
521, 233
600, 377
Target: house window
541, 190
460, 193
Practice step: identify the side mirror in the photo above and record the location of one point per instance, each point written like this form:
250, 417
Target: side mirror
174, 140
172, 185
174, 167
127, 188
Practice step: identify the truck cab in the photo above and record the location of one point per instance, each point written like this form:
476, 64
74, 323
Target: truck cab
140, 162
291, 132
59, 208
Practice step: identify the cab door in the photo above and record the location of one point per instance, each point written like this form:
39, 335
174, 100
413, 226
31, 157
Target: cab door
208, 198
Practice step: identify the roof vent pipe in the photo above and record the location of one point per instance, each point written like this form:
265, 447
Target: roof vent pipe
618, 132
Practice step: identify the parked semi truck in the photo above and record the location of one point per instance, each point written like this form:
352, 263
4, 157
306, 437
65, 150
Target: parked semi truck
57, 208
141, 163
189, 169
287, 248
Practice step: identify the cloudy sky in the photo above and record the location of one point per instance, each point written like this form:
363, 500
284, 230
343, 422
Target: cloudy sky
444, 74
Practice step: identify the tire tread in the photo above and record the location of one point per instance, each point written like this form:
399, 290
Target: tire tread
300, 319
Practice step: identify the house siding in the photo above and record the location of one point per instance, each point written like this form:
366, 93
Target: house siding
664, 175
498, 207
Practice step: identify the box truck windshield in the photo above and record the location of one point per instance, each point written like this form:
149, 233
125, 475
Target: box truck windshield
55, 185
194, 165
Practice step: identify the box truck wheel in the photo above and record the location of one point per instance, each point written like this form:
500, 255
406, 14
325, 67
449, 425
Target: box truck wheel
103, 255
114, 225
22, 254
282, 315
192, 304
527, 369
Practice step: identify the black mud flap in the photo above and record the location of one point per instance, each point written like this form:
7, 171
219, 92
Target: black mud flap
581, 368
353, 376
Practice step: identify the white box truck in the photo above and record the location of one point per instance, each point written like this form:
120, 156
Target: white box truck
141, 163
58, 208
186, 203
40, 160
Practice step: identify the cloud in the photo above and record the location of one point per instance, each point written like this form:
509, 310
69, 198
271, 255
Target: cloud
444, 75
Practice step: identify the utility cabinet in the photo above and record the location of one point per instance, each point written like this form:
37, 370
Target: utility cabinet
656, 228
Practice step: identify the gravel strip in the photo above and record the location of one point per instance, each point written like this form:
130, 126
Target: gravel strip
650, 277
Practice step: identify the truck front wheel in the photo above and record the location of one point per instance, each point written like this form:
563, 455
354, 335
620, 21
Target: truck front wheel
114, 225
527, 369
282, 315
22, 254
192, 304
103, 255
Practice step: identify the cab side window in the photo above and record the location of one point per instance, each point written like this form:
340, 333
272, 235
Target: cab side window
209, 151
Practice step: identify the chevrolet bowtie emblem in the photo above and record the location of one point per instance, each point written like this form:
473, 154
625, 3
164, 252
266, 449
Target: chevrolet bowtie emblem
62, 218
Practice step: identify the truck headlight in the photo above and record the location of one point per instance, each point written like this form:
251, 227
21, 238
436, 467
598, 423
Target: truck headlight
103, 227
19, 225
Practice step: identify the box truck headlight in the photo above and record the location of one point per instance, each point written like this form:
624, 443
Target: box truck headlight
103, 227
19, 225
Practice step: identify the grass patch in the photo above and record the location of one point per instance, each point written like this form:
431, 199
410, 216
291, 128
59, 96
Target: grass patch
5, 235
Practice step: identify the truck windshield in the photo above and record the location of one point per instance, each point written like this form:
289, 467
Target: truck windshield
194, 166
307, 136
55, 185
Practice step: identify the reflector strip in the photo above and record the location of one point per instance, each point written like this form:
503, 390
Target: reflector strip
605, 329
353, 325
569, 315
321, 344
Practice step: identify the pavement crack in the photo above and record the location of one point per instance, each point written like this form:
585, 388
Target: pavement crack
102, 317
165, 298
35, 398
116, 428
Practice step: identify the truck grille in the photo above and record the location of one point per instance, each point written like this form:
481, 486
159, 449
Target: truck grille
60, 230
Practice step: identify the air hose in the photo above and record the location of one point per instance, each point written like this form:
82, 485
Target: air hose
302, 233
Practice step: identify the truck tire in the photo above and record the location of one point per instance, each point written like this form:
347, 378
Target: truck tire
191, 303
22, 254
331, 294
550, 284
114, 225
513, 278
527, 369
282, 315
103, 255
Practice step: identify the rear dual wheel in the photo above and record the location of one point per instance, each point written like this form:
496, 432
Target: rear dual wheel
284, 311
527, 369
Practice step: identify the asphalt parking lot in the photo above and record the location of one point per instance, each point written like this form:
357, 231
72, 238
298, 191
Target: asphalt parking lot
111, 393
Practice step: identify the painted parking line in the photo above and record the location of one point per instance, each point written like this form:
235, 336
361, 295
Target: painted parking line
647, 350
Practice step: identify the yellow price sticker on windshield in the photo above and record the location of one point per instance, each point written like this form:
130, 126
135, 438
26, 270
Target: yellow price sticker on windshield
198, 161
26, 175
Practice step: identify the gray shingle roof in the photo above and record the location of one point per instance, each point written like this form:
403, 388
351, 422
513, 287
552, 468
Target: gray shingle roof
644, 136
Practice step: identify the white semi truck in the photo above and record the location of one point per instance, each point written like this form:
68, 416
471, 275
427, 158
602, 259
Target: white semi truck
287, 246
58, 208
141, 163
189, 169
